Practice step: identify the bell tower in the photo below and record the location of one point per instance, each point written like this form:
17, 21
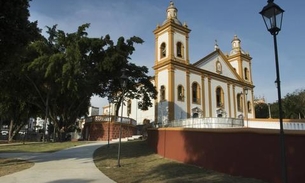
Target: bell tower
240, 61
171, 51
171, 39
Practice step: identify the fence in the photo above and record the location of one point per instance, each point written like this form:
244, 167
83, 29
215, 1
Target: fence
207, 123
103, 118
274, 124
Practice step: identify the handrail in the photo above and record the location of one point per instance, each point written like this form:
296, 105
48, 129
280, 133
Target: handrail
206, 123
112, 118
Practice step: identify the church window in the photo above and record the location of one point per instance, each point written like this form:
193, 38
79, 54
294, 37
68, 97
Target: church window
195, 115
128, 107
162, 93
195, 93
249, 107
163, 50
240, 102
180, 49
246, 72
219, 97
180, 93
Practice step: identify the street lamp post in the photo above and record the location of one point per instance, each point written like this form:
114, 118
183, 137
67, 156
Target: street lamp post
269, 111
123, 86
46, 118
246, 106
273, 15
161, 115
110, 102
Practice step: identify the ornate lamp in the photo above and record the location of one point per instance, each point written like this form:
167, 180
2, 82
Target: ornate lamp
273, 16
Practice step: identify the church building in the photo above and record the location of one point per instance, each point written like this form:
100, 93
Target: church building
217, 86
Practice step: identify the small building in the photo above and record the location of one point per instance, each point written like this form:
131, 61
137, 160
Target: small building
93, 111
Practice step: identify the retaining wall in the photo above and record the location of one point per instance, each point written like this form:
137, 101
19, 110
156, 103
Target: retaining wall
241, 152
99, 130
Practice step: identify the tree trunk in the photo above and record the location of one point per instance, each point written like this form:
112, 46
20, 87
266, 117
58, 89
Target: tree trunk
10, 131
1, 122
117, 106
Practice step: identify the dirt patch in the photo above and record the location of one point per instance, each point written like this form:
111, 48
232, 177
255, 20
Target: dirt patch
12, 165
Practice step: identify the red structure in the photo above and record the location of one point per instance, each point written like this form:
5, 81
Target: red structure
98, 126
243, 152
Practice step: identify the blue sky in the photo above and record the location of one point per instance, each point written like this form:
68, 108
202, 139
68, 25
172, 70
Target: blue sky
208, 20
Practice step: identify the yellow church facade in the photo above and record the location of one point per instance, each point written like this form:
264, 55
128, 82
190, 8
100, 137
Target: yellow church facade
217, 86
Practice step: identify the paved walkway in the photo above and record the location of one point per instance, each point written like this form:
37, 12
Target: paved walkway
73, 165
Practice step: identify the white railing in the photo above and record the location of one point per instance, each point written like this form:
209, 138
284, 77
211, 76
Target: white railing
207, 123
126, 120
105, 118
276, 125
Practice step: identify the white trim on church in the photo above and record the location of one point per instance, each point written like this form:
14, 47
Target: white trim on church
218, 85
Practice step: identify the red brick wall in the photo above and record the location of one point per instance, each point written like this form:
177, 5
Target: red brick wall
99, 130
242, 152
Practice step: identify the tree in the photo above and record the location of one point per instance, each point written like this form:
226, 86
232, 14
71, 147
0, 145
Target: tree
301, 103
70, 67
261, 110
274, 110
293, 104
16, 32
139, 84
62, 84
16, 110
59, 74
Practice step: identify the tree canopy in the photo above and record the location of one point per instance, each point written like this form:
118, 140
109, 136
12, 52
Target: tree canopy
292, 105
16, 32
71, 67
261, 110
55, 77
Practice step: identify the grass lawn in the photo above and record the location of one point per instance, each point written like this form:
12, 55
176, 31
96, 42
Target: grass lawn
140, 164
12, 165
38, 147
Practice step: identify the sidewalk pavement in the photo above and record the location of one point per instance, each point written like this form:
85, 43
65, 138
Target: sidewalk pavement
73, 165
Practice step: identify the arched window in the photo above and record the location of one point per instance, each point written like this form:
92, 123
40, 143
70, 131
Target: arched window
195, 115
162, 93
195, 93
128, 107
240, 102
219, 97
180, 93
249, 107
163, 50
246, 72
180, 49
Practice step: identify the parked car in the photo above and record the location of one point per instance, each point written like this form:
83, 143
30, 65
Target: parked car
4, 132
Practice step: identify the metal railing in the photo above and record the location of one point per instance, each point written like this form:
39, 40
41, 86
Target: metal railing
105, 118
126, 120
276, 125
207, 123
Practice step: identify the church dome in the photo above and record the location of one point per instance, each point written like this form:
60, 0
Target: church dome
236, 46
172, 14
